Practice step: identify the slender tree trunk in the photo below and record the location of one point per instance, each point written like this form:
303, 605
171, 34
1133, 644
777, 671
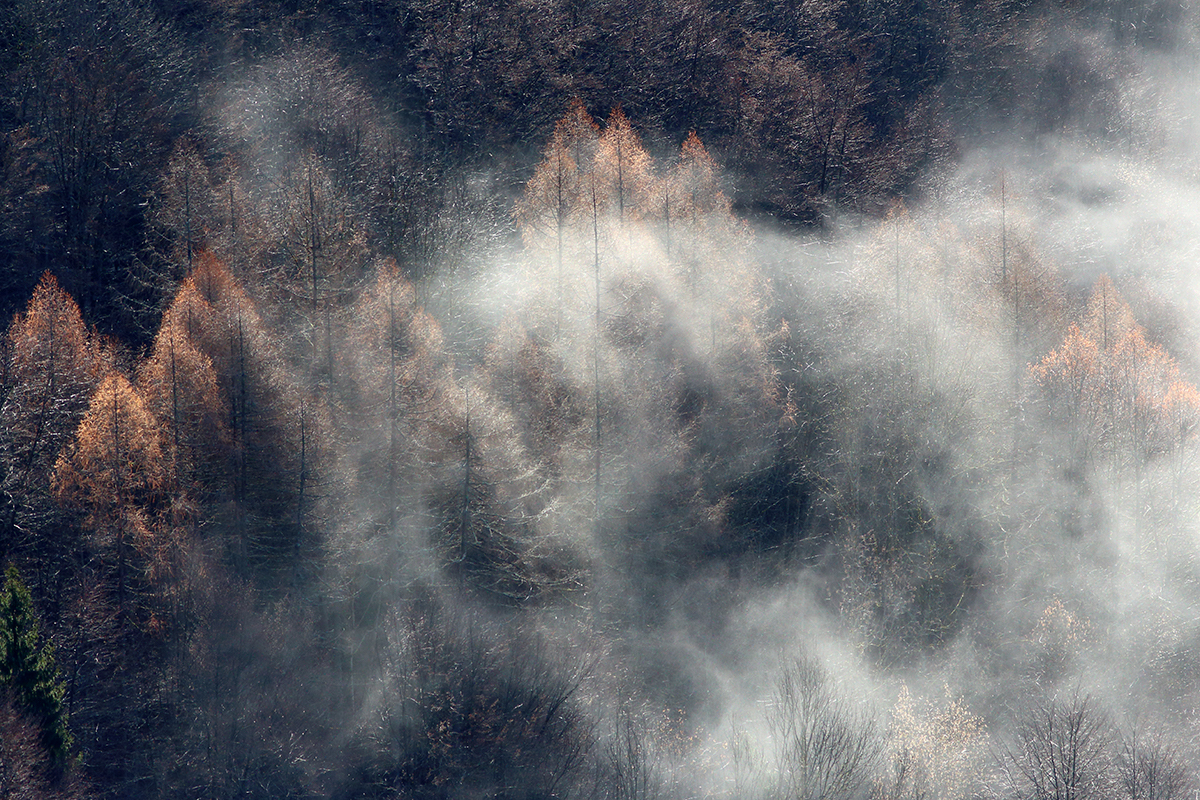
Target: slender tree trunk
119, 501
393, 405
596, 349
297, 549
187, 215
465, 536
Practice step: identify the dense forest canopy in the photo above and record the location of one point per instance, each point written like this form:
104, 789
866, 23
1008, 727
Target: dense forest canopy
547, 400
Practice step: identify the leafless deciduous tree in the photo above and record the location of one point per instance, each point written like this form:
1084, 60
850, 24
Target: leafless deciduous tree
1149, 767
824, 747
1061, 751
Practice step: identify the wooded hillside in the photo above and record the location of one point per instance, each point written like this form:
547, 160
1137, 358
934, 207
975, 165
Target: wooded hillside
547, 400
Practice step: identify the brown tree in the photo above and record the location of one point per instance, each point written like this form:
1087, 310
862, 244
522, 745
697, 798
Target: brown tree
556, 195
278, 434
1119, 393
52, 364
624, 169
180, 385
395, 391
114, 473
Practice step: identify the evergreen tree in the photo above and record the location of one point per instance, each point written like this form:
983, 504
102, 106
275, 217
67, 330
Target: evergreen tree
27, 668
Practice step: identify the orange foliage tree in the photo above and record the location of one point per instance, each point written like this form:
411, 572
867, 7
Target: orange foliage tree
278, 451
1115, 389
113, 473
51, 365
623, 169
554, 196
396, 379
185, 210
180, 385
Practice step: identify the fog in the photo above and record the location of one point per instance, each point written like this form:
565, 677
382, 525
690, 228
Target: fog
1070, 577
844, 450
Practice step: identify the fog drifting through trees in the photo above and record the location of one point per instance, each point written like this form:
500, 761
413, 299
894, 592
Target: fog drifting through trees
455, 414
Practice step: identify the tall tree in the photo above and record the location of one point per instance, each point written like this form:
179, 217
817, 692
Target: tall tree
555, 196
113, 473
397, 377
181, 388
53, 364
186, 209
273, 425
1119, 392
624, 169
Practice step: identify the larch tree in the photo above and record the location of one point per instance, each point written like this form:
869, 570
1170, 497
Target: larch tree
556, 195
185, 209
1070, 379
278, 434
326, 244
696, 183
711, 241
181, 388
624, 169
53, 365
114, 473
1119, 392
396, 376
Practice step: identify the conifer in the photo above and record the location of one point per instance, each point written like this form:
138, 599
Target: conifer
54, 365
28, 670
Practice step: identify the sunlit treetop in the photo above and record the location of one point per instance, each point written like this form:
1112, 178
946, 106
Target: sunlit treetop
695, 181
623, 168
555, 192
1114, 385
117, 454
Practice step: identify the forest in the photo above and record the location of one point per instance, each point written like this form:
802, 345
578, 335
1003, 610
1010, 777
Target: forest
544, 400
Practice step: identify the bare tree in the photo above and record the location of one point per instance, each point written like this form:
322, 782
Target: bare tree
1061, 751
635, 770
824, 747
1149, 767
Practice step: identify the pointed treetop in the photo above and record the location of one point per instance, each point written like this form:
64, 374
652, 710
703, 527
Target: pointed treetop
1109, 319
117, 451
49, 309
623, 165
574, 127
697, 182
216, 284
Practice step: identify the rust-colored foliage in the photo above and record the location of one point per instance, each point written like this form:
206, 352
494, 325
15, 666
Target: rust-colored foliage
185, 209
396, 348
396, 375
1114, 387
116, 461
277, 435
182, 390
113, 475
623, 169
696, 183
218, 287
555, 192
53, 363
225, 323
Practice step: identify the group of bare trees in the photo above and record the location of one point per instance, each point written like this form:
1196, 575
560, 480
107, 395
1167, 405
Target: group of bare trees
824, 742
